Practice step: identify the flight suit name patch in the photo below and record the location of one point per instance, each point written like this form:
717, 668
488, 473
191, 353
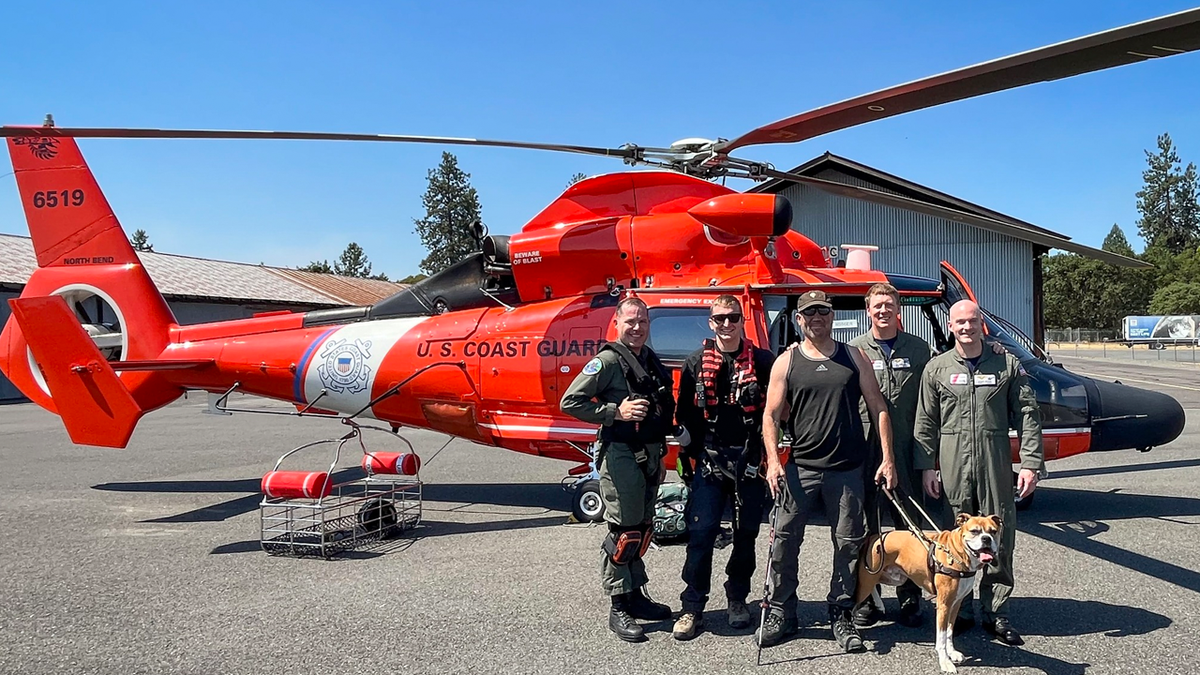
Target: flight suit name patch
901, 363
985, 380
877, 364
959, 378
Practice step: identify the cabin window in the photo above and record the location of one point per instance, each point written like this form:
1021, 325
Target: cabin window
677, 332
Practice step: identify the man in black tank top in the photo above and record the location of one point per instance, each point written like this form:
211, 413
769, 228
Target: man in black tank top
814, 393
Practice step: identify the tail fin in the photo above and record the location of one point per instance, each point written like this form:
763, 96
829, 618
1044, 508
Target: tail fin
94, 405
83, 256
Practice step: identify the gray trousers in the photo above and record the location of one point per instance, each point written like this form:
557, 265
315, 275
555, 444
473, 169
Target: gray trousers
629, 489
841, 493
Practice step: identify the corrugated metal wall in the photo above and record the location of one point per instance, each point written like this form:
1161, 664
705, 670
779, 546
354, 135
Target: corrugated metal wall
8, 393
998, 268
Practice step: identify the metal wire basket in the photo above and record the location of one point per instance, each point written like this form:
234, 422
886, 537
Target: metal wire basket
338, 511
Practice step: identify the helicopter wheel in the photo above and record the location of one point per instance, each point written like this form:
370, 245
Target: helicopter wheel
587, 506
1022, 504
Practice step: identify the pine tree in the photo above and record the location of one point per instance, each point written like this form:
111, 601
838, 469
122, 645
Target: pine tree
352, 263
1168, 201
320, 266
575, 178
451, 207
1116, 242
140, 241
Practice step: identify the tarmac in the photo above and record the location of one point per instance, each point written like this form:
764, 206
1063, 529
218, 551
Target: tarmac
147, 560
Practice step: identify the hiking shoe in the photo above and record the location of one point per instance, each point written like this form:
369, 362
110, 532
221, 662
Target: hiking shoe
688, 625
642, 607
910, 612
845, 632
1003, 631
621, 623
867, 614
775, 629
738, 614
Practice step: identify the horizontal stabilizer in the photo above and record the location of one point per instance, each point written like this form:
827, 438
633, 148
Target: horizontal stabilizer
95, 406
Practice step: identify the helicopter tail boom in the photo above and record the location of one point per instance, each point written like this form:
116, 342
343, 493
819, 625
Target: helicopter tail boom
85, 259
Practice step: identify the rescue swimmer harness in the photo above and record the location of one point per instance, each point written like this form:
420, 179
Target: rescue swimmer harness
932, 546
745, 393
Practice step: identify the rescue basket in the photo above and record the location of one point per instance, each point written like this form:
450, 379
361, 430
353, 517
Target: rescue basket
323, 513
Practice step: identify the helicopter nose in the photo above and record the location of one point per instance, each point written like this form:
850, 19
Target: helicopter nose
1128, 417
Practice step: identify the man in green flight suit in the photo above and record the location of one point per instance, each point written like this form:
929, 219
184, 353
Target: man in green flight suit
897, 360
970, 397
627, 391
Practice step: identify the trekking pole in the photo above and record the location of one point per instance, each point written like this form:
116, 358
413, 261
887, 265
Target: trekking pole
766, 601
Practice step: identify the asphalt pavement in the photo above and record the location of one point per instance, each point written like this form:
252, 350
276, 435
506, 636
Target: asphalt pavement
146, 560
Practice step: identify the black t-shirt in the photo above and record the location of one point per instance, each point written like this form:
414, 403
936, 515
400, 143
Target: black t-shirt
827, 431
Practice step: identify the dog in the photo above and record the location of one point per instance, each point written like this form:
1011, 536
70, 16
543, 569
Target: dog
958, 555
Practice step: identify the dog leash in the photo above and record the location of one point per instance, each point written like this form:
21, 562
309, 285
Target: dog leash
928, 543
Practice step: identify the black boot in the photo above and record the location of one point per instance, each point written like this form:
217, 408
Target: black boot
642, 607
1003, 631
844, 630
867, 614
621, 622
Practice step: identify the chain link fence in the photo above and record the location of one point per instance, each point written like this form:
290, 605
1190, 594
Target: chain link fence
1109, 344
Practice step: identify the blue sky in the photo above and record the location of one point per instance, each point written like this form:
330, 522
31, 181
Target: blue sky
1065, 155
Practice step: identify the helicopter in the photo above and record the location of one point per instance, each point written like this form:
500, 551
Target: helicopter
484, 349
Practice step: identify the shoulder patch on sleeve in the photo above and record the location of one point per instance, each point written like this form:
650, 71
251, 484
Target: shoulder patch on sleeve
593, 366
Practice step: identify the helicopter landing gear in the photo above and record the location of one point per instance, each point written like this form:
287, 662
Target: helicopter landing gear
586, 504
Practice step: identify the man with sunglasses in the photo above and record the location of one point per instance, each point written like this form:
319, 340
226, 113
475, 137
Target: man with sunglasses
722, 393
814, 393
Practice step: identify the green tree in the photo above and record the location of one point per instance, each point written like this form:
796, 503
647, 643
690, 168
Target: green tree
575, 178
412, 279
1176, 298
451, 207
321, 266
1168, 201
140, 241
352, 263
1082, 292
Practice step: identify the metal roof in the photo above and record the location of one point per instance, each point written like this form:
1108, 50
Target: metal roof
1007, 225
178, 276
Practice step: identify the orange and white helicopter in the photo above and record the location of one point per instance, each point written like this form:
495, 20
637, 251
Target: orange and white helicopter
484, 349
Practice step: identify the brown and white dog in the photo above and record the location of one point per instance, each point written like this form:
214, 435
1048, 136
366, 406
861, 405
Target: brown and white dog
950, 575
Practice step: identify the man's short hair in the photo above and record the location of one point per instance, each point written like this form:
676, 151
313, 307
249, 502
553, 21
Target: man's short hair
630, 302
883, 289
727, 300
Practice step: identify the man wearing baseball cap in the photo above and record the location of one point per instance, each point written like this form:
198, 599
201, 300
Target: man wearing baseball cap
814, 394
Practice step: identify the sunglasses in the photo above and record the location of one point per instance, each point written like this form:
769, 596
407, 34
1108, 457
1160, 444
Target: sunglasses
725, 318
813, 311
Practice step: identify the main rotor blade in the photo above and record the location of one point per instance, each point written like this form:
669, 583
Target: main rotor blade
1156, 38
999, 226
95, 132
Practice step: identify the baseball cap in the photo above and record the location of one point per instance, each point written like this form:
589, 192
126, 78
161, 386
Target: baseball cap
813, 299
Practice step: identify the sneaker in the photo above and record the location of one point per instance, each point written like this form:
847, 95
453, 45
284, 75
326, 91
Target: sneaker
910, 612
775, 629
867, 614
845, 632
1003, 631
738, 614
642, 607
688, 625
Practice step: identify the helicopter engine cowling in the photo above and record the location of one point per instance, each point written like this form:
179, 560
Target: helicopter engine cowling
746, 214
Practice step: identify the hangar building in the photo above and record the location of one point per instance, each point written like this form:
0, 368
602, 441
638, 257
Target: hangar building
200, 290
1005, 271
